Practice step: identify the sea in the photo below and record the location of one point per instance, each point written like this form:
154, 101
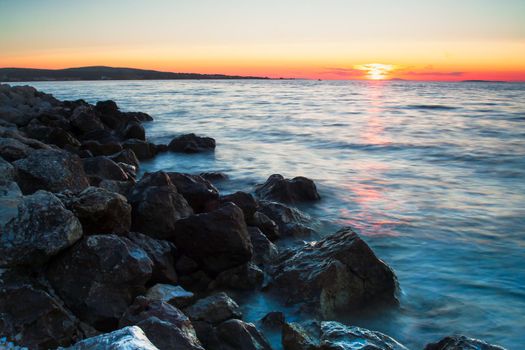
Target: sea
430, 174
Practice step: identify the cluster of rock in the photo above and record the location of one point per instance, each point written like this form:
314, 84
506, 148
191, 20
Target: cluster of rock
92, 257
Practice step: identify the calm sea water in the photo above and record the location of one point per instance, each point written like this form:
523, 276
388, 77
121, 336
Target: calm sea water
431, 174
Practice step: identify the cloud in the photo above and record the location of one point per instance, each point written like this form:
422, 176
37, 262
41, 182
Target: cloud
343, 72
434, 73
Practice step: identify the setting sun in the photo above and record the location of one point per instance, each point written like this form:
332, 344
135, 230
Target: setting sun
375, 71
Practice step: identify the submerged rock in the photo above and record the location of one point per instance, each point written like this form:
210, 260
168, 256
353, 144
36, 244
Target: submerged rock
200, 193
191, 143
129, 338
460, 342
339, 272
290, 221
298, 189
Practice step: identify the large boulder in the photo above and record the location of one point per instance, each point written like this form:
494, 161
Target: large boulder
101, 211
34, 228
214, 309
295, 337
239, 335
126, 156
338, 273
298, 189
200, 193
98, 148
102, 167
290, 221
7, 171
460, 342
141, 148
129, 338
85, 119
51, 170
12, 149
99, 277
174, 295
266, 225
247, 276
157, 205
191, 143
264, 251
134, 130
243, 200
218, 240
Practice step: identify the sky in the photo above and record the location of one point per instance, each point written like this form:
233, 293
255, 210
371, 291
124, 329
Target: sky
317, 39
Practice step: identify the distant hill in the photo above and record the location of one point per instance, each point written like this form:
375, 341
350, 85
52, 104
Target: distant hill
102, 73
483, 81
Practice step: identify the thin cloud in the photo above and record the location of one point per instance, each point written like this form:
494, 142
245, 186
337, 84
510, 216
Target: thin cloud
343, 72
440, 74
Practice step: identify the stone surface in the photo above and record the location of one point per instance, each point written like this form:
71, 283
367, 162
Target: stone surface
290, 221
298, 189
266, 225
247, 276
165, 336
460, 342
126, 156
273, 319
191, 143
239, 335
214, 309
295, 337
264, 251
338, 273
174, 295
128, 338
243, 200
12, 149
7, 171
141, 148
102, 167
200, 193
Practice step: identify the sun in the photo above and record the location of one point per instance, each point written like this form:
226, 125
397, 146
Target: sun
376, 71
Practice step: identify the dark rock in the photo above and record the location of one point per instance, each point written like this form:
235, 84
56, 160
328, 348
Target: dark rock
101, 135
120, 187
101, 149
174, 295
186, 265
165, 336
140, 116
104, 168
107, 107
460, 342
129, 338
99, 277
200, 194
34, 227
101, 211
267, 226
7, 171
142, 149
239, 335
214, 309
161, 148
273, 319
191, 143
12, 149
295, 337
125, 156
218, 240
298, 189
338, 273
198, 281
264, 251
157, 205
290, 221
161, 254
84, 119
134, 130
50, 170
52, 135
130, 170
214, 176
243, 200
244, 277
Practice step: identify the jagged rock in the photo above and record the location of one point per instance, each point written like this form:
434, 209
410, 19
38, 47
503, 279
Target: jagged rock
214, 309
120, 187
53, 135
140, 116
174, 295
243, 200
290, 221
214, 176
39, 228
157, 205
239, 335
339, 272
295, 337
50, 170
101, 149
266, 225
126, 156
161, 254
247, 276
134, 130
264, 251
191, 143
273, 319
142, 149
12, 149
129, 338
104, 168
460, 342
84, 119
101, 211
165, 336
20, 104
298, 189
200, 194
99, 277
218, 240
186, 265
10, 199
7, 171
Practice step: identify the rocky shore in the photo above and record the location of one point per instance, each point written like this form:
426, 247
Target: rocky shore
94, 257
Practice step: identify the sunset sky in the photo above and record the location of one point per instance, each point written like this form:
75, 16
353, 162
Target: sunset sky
326, 39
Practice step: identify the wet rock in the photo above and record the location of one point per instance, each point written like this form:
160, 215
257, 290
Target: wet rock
200, 194
101, 211
165, 336
107, 107
157, 205
129, 338
214, 176
125, 156
85, 119
239, 335
218, 240
295, 337
130, 170
174, 295
10, 199
12, 149
39, 228
336, 336
267, 226
273, 319
214, 309
142, 149
191, 143
460, 342
264, 251
140, 116
7, 171
161, 254
134, 130
20, 104
99, 277
120, 187
243, 200
56, 136
104, 168
339, 272
101, 149
186, 265
247, 276
50, 170
298, 189
291, 222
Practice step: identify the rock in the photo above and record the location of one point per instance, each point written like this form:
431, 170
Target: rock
186, 265
107, 107
214, 176
140, 116
214, 309
130, 170
291, 222
298, 189
101, 211
336, 336
7, 171
32, 316
295, 337
218, 240
142, 149
264, 251
104, 168
174, 295
157, 205
165, 336
243, 200
38, 229
50, 170
338, 273
12, 149
10, 199
273, 319
200, 194
101, 149
161, 254
84, 119
191, 143
58, 137
239, 335
267, 226
460, 342
99, 277
120, 187
125, 156
243, 277
134, 130
129, 338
